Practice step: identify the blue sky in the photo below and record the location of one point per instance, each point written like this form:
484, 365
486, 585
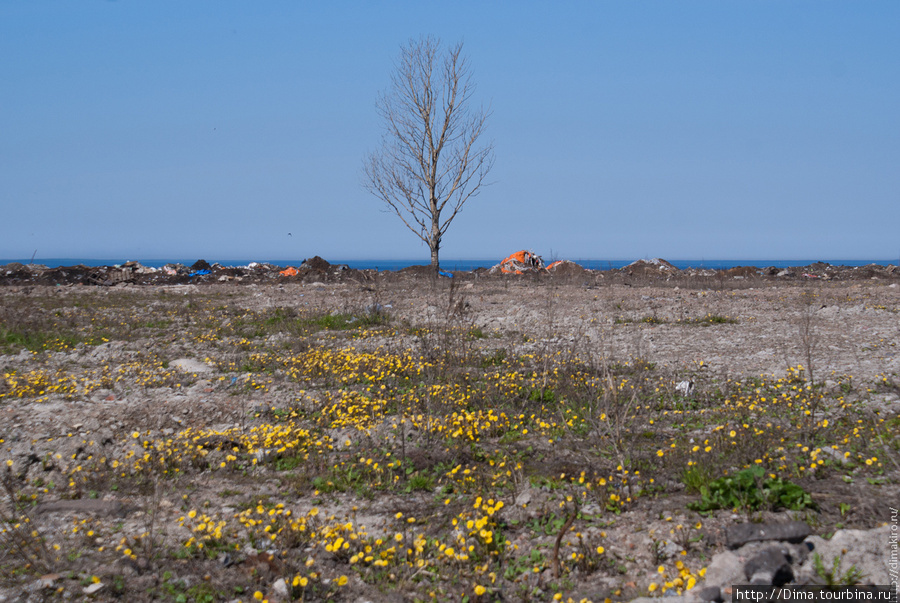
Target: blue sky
741, 129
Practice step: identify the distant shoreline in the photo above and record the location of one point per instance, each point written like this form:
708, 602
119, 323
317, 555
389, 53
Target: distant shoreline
450, 264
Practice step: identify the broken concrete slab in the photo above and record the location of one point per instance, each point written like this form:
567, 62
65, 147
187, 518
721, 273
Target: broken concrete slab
791, 531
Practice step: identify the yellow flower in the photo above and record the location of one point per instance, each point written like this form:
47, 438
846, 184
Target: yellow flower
600, 550
480, 590
342, 580
258, 596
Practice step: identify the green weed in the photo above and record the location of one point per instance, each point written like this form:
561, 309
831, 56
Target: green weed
752, 490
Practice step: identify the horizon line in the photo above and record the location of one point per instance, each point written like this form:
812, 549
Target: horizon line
463, 259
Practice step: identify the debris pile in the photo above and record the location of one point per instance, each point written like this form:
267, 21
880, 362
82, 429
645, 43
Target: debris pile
519, 263
650, 267
317, 269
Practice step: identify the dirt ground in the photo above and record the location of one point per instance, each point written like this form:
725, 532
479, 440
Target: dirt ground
119, 371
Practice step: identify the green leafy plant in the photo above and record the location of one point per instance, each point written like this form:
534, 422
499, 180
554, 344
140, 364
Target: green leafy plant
752, 490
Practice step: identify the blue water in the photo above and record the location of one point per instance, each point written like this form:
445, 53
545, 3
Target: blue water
449, 264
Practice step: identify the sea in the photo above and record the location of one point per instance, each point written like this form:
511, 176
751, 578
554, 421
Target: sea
447, 264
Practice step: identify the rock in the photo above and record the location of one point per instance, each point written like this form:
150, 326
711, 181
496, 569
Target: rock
523, 498
280, 588
668, 549
739, 535
725, 569
45, 581
862, 549
713, 594
93, 588
769, 567
189, 365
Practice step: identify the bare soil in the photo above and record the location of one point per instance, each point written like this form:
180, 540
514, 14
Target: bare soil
127, 364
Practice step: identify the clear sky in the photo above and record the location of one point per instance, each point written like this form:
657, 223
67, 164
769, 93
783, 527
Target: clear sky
169, 129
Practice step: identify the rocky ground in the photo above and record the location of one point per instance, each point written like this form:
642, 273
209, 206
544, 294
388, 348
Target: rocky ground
362, 436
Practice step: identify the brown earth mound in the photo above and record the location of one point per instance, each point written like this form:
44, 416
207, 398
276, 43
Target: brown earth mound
649, 267
564, 268
316, 263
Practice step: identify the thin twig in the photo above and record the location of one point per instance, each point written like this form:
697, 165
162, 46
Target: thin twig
569, 521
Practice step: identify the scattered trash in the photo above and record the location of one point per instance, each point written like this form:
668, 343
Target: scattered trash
317, 270
685, 388
520, 262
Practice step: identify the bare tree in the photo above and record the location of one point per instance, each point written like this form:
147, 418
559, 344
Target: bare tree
430, 162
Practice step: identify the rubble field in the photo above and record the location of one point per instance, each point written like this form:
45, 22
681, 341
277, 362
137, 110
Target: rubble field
367, 436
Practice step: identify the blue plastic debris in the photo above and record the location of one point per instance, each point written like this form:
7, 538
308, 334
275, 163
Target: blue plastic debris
447, 274
200, 273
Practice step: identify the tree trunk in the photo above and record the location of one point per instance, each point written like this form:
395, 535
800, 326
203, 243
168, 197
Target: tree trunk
434, 258
434, 241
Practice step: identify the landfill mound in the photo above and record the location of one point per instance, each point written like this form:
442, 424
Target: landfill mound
653, 266
565, 268
521, 264
316, 263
